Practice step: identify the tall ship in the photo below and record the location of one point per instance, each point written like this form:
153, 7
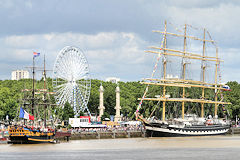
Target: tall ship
35, 101
187, 78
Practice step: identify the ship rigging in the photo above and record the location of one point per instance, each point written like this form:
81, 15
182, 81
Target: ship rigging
187, 125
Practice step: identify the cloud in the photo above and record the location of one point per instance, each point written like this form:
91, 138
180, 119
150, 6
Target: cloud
107, 52
190, 4
111, 33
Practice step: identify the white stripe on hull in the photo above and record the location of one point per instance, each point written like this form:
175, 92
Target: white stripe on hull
190, 133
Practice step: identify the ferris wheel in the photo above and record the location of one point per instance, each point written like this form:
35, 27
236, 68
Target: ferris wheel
71, 80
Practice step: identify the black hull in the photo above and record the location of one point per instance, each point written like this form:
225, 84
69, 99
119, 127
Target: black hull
151, 133
30, 139
162, 130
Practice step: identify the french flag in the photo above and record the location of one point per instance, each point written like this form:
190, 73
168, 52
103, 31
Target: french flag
35, 54
24, 114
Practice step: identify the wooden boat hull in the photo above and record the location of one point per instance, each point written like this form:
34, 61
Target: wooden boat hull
23, 135
201, 130
30, 139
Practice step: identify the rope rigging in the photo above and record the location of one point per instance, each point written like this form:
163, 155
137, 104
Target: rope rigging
153, 73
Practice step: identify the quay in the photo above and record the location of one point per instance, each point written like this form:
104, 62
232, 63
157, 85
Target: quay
102, 135
108, 134
234, 130
84, 135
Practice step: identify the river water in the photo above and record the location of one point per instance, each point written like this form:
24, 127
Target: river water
194, 148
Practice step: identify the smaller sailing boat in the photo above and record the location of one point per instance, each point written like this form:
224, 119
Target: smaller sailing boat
24, 134
187, 124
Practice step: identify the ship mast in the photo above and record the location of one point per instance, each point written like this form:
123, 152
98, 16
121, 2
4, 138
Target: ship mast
42, 91
216, 69
183, 82
33, 90
45, 92
203, 72
184, 68
164, 71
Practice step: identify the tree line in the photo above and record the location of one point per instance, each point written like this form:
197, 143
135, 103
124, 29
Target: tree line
11, 95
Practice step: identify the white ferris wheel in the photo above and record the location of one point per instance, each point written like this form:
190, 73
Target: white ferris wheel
71, 81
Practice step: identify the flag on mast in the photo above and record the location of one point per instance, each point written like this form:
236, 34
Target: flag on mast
24, 114
35, 54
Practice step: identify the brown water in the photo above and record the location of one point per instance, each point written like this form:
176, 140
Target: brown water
215, 147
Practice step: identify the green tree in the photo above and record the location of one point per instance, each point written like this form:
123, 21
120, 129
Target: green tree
11, 95
68, 112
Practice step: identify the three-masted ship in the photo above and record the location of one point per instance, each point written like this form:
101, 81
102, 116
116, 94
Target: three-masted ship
186, 124
31, 131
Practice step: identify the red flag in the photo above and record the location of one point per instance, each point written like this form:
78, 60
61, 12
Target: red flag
31, 117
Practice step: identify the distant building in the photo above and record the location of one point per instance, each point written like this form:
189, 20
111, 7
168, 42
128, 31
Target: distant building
113, 79
20, 74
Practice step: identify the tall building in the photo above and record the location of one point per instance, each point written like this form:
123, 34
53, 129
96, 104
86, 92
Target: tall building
20, 74
113, 79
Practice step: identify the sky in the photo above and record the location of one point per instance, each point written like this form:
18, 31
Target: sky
113, 34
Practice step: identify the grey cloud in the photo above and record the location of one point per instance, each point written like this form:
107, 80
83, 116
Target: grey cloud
75, 16
120, 51
56, 17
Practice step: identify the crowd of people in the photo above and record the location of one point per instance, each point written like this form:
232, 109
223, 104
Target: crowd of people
3, 132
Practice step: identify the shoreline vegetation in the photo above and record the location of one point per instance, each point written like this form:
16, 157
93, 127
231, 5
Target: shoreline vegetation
10, 95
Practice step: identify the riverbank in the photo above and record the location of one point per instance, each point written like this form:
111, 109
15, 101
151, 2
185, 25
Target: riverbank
234, 130
105, 135
120, 134
115, 134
